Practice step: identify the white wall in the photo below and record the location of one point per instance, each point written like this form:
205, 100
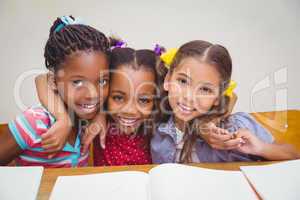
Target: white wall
262, 36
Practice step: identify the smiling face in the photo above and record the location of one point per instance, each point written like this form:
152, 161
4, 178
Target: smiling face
82, 82
193, 88
131, 97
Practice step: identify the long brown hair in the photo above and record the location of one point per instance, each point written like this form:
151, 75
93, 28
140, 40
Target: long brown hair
215, 55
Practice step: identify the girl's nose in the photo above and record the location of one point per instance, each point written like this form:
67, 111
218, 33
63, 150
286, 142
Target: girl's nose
188, 95
130, 108
92, 92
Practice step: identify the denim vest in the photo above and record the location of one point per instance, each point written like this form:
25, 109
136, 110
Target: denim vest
163, 143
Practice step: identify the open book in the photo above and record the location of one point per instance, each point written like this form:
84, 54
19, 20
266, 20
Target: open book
276, 181
20, 182
164, 182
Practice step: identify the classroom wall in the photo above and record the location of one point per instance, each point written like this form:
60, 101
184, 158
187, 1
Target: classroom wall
262, 37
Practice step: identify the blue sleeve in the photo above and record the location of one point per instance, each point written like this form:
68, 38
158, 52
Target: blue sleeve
245, 120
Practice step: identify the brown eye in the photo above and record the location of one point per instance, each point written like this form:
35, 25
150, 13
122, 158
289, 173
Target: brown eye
77, 83
118, 98
144, 100
103, 82
206, 90
182, 81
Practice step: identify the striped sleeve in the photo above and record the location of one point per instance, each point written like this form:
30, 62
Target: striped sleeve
28, 127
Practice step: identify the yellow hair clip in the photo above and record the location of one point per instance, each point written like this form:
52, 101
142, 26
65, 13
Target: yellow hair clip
168, 56
229, 91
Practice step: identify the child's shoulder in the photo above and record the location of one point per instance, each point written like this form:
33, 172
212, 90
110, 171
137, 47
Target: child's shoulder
28, 126
37, 116
245, 120
242, 120
241, 117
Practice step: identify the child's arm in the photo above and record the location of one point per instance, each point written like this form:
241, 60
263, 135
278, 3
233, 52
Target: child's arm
56, 137
9, 149
270, 151
98, 126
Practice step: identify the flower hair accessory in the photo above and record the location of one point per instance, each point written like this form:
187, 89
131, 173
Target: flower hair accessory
118, 44
169, 56
158, 50
229, 91
67, 20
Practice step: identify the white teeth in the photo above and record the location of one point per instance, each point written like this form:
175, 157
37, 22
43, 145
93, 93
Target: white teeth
88, 107
185, 108
128, 122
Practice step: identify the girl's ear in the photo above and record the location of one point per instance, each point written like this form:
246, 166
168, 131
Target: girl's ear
217, 101
167, 81
51, 81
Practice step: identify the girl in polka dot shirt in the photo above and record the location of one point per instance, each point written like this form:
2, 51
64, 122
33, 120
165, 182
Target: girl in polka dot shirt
131, 105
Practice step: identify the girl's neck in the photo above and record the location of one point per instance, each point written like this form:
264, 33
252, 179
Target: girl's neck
180, 124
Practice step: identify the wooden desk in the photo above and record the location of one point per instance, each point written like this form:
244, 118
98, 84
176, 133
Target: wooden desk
284, 125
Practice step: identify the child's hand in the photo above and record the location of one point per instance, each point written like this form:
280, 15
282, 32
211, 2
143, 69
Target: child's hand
219, 138
56, 137
251, 144
98, 126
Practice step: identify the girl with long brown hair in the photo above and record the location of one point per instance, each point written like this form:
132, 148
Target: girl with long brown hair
195, 95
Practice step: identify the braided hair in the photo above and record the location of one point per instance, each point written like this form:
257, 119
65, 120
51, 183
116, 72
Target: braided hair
70, 39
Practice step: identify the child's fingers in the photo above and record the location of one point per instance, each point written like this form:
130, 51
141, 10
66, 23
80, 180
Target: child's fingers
47, 135
48, 141
233, 143
221, 137
245, 135
218, 130
50, 148
52, 145
102, 140
51, 132
49, 138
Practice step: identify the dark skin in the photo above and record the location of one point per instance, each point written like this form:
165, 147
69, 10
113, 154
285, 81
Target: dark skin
131, 97
83, 77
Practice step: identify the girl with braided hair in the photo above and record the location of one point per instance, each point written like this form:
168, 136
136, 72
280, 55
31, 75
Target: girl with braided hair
77, 56
132, 108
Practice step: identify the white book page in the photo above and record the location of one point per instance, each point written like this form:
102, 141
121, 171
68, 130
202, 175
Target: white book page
20, 182
177, 182
109, 186
275, 181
